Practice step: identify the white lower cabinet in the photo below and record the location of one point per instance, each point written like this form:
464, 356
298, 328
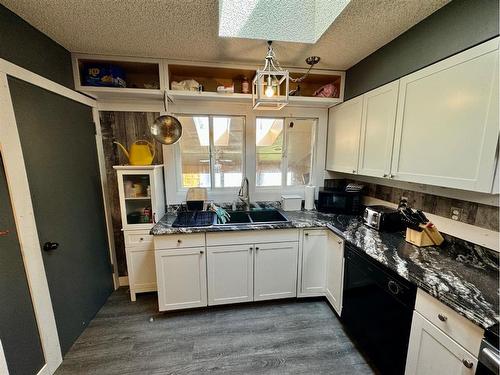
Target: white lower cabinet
334, 271
139, 251
312, 257
431, 352
182, 280
275, 274
230, 274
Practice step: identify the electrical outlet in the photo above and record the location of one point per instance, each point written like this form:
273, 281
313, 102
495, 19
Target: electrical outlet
455, 213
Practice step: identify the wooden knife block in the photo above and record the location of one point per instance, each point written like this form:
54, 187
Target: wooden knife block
429, 236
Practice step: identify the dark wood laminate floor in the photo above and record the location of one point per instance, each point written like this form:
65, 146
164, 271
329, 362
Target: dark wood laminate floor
280, 337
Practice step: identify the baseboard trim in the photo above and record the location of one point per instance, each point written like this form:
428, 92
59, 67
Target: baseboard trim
123, 280
477, 235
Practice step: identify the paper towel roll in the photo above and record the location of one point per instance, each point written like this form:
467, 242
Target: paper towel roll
309, 197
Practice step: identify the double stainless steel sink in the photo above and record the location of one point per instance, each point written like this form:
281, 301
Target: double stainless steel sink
258, 216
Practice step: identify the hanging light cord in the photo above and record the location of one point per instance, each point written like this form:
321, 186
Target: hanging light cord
272, 61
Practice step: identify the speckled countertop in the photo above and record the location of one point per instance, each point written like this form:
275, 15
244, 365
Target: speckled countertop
462, 275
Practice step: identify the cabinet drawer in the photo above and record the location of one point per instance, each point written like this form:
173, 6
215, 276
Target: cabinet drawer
136, 238
174, 241
252, 236
454, 325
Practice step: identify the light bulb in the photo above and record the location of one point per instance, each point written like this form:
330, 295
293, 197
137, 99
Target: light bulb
269, 91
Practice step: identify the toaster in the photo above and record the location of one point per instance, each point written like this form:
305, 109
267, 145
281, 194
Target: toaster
383, 218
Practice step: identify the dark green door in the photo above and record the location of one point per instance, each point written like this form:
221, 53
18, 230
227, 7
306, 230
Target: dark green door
58, 143
18, 327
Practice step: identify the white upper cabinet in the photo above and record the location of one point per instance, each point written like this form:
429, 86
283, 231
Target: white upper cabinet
377, 130
344, 124
447, 122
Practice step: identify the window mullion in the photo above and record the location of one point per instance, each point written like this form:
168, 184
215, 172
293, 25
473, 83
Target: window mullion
211, 152
284, 159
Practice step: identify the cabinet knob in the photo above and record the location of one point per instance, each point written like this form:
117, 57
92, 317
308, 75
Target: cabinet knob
442, 317
201, 251
339, 242
391, 176
141, 239
256, 248
353, 171
306, 234
49, 246
179, 241
251, 248
384, 175
467, 363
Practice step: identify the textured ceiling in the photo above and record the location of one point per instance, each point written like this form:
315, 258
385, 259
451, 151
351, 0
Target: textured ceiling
188, 29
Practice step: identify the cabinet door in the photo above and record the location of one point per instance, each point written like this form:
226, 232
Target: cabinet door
313, 263
447, 122
431, 351
230, 274
377, 130
335, 271
275, 274
181, 278
344, 124
141, 269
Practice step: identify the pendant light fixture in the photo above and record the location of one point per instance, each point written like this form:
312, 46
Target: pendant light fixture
270, 89
270, 85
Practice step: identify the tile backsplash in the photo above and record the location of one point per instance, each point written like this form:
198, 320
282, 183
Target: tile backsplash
481, 215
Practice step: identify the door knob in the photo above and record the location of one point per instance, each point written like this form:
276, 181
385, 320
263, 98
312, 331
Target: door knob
49, 246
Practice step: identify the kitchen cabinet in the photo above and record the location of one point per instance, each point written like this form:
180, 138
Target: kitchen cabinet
142, 202
334, 271
431, 351
312, 266
140, 257
377, 130
230, 274
447, 122
181, 278
344, 125
275, 274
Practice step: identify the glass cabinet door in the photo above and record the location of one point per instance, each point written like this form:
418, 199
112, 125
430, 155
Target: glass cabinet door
137, 195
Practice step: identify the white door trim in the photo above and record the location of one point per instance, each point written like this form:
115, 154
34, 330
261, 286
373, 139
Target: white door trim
19, 190
105, 197
37, 80
3, 362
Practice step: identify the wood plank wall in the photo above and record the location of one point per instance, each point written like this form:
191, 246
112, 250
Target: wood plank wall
123, 127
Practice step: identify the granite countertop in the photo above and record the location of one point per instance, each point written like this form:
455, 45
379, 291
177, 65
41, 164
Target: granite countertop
462, 275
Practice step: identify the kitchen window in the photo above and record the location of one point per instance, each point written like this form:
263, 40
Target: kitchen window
211, 151
284, 151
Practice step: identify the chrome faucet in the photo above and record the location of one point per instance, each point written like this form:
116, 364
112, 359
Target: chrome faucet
244, 193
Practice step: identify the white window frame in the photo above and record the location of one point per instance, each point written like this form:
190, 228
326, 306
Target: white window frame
211, 155
271, 193
284, 153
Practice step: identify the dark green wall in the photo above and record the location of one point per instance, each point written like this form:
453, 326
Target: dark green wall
457, 26
23, 45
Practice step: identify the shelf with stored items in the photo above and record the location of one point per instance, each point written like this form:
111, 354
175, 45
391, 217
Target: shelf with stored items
437, 126
118, 78
236, 77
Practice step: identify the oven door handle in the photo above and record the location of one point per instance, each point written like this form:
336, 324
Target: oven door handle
490, 358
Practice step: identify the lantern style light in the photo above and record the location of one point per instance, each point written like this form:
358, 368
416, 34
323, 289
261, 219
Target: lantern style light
271, 84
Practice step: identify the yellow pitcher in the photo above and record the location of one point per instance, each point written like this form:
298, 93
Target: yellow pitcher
141, 152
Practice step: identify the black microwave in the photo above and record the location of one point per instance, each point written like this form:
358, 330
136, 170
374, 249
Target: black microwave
339, 201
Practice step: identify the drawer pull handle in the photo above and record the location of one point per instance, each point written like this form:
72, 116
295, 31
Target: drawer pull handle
467, 363
442, 317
